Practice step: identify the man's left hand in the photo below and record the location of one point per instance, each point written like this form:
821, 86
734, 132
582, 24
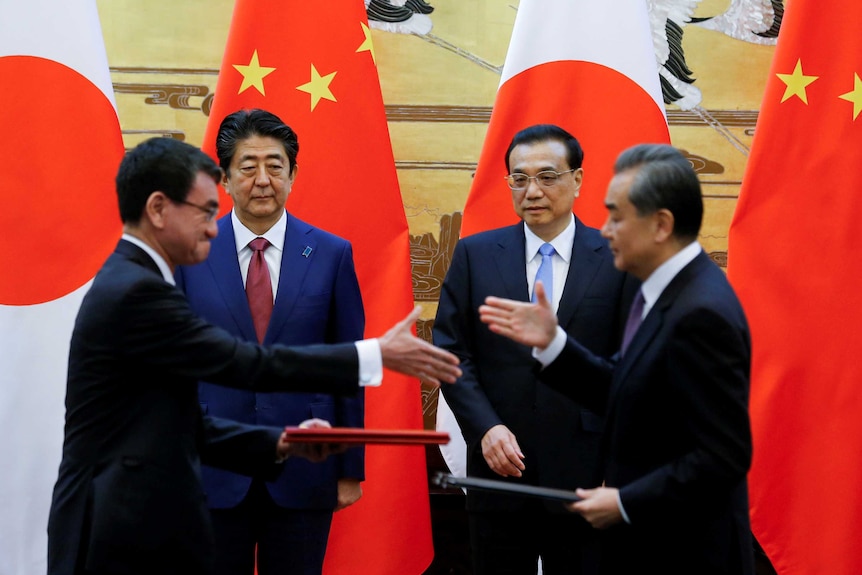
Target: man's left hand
315, 452
599, 506
349, 492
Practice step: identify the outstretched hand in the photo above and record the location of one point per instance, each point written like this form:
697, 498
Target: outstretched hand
533, 324
404, 352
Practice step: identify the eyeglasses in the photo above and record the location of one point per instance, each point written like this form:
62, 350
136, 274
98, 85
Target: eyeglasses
546, 179
211, 210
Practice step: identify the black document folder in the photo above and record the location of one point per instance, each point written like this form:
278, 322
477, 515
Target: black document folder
444, 480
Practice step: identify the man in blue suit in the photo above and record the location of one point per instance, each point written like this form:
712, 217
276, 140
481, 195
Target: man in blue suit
513, 427
677, 445
283, 523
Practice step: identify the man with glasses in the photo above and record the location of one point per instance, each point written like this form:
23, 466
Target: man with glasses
514, 428
314, 298
128, 497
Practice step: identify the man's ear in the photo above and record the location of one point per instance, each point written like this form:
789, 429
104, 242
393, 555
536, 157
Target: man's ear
664, 222
154, 209
578, 175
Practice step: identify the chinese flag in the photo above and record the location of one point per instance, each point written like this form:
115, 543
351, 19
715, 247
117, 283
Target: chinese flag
585, 65
62, 146
313, 65
793, 241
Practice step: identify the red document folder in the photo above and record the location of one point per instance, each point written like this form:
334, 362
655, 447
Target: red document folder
356, 435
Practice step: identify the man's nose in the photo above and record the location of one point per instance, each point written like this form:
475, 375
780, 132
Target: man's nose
262, 178
534, 190
606, 229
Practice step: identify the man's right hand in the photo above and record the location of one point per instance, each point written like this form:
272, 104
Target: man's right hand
404, 352
501, 452
533, 324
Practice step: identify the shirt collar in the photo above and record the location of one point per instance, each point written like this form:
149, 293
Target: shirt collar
562, 243
160, 261
655, 284
274, 235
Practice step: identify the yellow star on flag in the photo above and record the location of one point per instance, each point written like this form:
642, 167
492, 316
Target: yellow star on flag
253, 75
796, 83
318, 87
855, 96
367, 45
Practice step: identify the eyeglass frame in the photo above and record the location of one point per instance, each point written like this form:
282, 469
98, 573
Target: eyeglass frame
508, 177
211, 210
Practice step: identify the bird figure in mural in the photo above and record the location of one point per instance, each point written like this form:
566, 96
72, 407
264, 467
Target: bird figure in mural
403, 16
756, 21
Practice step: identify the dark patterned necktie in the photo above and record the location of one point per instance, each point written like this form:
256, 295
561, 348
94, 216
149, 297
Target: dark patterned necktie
634, 321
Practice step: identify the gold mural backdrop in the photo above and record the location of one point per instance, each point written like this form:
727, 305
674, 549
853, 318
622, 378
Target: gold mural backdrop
438, 88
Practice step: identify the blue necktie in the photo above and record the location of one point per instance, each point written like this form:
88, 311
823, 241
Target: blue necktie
634, 321
546, 272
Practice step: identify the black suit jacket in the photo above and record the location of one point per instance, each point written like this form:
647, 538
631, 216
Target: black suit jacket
128, 498
678, 439
560, 438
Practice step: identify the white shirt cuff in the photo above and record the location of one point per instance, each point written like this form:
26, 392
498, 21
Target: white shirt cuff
370, 363
555, 348
622, 509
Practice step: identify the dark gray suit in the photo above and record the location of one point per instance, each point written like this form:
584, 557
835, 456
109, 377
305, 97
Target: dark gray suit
559, 438
128, 499
678, 440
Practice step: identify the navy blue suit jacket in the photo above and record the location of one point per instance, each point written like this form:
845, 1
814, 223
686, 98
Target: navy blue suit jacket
678, 441
128, 497
317, 301
559, 437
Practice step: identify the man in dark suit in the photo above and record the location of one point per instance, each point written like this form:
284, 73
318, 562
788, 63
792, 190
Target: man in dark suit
513, 427
128, 498
677, 444
283, 523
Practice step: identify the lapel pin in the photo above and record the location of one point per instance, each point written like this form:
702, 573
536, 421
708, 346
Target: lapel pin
306, 252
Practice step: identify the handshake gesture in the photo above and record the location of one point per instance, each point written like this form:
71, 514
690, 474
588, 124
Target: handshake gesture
404, 352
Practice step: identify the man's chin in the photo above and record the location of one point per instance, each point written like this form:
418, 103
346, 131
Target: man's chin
201, 254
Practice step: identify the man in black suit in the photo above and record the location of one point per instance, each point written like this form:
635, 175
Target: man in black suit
513, 427
128, 499
677, 443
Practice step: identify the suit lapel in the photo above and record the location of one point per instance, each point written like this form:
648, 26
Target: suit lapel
224, 266
135, 254
584, 263
296, 259
510, 258
655, 318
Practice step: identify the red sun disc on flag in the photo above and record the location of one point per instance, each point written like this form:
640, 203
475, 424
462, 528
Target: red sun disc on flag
61, 150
